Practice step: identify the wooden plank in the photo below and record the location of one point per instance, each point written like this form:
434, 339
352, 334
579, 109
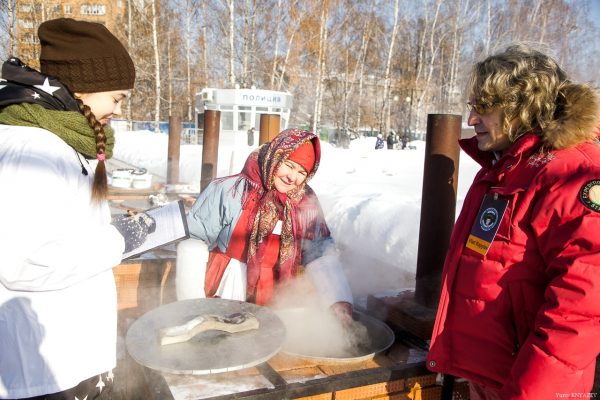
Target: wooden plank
336, 369
302, 374
324, 396
283, 362
143, 285
423, 380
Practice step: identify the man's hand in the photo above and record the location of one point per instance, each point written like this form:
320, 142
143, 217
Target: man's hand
134, 229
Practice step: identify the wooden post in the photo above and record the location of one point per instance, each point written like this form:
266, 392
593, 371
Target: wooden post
269, 127
438, 204
210, 147
173, 151
415, 311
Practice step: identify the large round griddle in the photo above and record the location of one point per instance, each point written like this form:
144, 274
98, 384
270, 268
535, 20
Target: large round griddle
208, 352
380, 338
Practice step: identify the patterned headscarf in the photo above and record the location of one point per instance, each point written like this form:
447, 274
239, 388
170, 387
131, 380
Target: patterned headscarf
259, 170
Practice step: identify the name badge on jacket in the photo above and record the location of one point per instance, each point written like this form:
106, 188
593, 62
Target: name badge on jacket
486, 223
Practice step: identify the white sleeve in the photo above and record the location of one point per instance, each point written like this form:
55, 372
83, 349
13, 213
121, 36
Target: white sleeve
328, 277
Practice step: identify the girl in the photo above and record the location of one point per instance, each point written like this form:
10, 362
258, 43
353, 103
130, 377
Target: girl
58, 312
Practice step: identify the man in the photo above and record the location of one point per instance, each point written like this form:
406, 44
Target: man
519, 309
391, 140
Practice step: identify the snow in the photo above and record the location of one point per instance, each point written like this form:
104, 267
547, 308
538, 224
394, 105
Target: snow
371, 199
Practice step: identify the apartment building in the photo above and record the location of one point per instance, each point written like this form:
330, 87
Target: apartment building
31, 13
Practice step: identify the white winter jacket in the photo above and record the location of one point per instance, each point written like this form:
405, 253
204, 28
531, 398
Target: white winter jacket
58, 311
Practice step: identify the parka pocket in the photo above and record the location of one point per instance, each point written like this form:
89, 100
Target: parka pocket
525, 299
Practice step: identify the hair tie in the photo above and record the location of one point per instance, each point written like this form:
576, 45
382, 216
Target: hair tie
101, 157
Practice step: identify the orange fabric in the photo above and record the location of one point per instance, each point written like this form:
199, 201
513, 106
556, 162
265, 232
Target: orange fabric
304, 155
266, 279
215, 268
238, 249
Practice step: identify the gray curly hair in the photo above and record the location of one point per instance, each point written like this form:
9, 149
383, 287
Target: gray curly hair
524, 82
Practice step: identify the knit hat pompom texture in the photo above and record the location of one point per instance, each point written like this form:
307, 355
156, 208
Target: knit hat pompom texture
84, 56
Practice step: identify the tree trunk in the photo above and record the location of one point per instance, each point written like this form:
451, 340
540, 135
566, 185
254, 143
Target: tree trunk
385, 104
231, 44
129, 41
188, 56
276, 53
321, 65
205, 44
156, 66
169, 77
363, 56
285, 61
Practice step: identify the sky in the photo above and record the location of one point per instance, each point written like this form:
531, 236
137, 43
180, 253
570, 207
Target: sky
371, 200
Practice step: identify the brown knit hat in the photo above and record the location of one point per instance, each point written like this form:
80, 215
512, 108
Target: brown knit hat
84, 56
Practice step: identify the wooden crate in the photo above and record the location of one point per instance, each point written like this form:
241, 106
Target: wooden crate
370, 391
144, 285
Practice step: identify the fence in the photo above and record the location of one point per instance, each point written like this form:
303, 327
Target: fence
192, 136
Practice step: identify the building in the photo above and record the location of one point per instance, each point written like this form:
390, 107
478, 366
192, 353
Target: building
241, 110
31, 13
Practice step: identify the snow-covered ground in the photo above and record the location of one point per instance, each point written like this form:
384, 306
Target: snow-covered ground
371, 199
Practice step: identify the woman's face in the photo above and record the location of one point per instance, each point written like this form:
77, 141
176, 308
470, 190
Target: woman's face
290, 175
104, 105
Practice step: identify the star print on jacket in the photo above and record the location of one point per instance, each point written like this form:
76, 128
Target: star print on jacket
46, 87
100, 385
21, 84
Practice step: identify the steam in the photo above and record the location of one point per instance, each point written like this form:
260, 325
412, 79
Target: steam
312, 329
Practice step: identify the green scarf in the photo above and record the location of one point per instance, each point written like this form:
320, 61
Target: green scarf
70, 126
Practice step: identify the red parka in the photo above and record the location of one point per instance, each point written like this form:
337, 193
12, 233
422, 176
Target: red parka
525, 317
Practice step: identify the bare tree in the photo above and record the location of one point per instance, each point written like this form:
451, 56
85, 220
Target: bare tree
321, 65
157, 83
384, 117
231, 44
7, 26
191, 14
276, 47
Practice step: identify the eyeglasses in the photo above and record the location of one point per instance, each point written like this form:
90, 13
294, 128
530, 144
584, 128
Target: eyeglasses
480, 108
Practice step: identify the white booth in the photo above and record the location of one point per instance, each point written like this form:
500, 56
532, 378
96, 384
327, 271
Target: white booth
240, 111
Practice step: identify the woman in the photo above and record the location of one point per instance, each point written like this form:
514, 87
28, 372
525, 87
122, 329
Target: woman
268, 222
58, 312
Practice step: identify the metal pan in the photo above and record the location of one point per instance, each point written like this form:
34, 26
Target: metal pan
208, 352
315, 338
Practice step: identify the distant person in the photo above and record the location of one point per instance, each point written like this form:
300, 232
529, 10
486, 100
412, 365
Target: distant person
519, 310
251, 136
58, 302
404, 142
379, 144
391, 141
266, 224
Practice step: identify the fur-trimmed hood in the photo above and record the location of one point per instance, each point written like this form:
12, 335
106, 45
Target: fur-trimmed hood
576, 119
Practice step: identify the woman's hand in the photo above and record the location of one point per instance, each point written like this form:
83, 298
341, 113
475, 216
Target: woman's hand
343, 311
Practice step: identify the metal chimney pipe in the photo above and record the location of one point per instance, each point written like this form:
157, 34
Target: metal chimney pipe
438, 204
173, 149
210, 147
269, 127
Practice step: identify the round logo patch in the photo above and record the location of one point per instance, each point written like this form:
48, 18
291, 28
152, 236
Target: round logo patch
488, 219
589, 195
